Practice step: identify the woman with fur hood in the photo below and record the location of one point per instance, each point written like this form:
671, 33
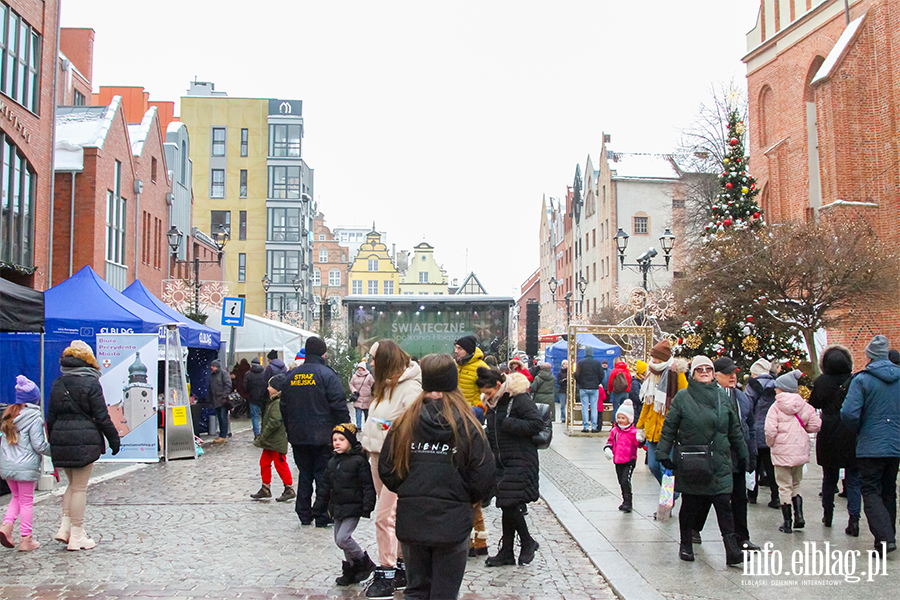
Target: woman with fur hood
665, 378
836, 444
788, 425
77, 422
512, 419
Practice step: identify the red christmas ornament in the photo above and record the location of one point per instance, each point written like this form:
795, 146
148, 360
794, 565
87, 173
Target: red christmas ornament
756, 215
750, 319
697, 323
728, 186
734, 141
753, 186
727, 222
738, 160
680, 340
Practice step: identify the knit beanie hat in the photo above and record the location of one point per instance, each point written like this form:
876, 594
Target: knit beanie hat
445, 381
894, 356
878, 348
26, 391
640, 367
79, 349
545, 366
467, 343
255, 361
661, 351
699, 361
788, 381
627, 409
316, 346
348, 430
276, 382
760, 367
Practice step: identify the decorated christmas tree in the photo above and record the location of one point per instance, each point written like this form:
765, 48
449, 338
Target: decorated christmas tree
736, 207
715, 327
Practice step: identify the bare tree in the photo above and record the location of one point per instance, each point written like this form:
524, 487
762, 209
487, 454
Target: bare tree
805, 277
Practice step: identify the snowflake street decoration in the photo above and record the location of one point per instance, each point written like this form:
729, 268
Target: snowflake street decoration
660, 302
213, 293
178, 294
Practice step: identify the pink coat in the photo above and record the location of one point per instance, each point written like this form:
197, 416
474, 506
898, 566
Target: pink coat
789, 422
624, 443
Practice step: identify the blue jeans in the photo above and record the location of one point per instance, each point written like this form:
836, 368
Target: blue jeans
561, 399
222, 419
255, 411
361, 415
589, 400
617, 398
830, 476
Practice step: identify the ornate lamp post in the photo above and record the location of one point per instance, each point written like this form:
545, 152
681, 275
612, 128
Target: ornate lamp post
643, 265
582, 285
219, 236
553, 284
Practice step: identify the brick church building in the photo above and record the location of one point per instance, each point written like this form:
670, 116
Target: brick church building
824, 99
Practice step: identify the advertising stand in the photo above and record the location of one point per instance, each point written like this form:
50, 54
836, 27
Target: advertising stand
179, 427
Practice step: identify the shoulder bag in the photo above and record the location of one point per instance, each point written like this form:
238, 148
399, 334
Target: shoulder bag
541, 439
694, 462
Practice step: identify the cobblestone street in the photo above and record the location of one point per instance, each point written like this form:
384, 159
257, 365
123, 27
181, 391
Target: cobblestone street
187, 529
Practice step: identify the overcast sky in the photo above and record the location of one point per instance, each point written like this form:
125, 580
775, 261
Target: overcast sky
443, 121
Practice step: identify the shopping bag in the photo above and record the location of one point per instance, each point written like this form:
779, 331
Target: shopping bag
666, 496
751, 481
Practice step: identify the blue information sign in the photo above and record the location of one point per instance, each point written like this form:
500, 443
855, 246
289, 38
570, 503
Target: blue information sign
233, 312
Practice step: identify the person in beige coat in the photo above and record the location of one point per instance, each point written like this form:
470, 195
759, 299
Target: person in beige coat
398, 382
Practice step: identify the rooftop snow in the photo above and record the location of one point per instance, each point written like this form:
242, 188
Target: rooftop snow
839, 50
138, 133
641, 166
79, 127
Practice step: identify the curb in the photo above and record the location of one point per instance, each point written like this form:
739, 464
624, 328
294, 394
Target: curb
623, 578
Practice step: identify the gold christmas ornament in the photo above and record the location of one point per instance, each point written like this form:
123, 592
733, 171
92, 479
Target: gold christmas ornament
803, 391
693, 341
740, 128
745, 190
750, 343
719, 322
795, 362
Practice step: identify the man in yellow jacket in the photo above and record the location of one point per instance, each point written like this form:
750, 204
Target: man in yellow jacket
468, 358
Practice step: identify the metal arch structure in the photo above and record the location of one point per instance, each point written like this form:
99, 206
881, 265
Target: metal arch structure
635, 342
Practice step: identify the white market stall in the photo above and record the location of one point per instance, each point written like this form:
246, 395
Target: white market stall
259, 335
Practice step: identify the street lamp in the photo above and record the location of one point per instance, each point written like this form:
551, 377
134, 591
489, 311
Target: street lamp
643, 266
568, 298
552, 284
582, 285
219, 236
297, 282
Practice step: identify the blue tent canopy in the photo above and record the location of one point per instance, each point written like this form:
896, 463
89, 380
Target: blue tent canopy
556, 353
193, 334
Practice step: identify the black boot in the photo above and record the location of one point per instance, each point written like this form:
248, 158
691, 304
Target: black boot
686, 549
774, 502
526, 554
363, 568
734, 556
382, 584
626, 502
853, 526
505, 556
263, 493
799, 522
786, 513
346, 577
400, 575
827, 516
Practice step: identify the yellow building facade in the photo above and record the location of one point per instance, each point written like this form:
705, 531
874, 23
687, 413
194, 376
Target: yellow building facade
423, 276
249, 177
373, 271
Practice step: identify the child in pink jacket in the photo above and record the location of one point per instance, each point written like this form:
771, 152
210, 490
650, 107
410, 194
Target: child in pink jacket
789, 422
621, 448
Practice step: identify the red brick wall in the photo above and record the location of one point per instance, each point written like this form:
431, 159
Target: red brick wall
78, 46
154, 219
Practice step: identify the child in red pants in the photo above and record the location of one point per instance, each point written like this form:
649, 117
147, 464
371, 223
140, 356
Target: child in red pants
274, 443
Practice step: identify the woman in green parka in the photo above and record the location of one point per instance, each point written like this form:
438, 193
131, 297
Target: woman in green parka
702, 415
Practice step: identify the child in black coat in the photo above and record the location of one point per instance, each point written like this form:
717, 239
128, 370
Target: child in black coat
349, 494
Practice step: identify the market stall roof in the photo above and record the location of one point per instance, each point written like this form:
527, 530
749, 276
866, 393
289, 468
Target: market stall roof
84, 305
261, 335
23, 308
193, 334
560, 350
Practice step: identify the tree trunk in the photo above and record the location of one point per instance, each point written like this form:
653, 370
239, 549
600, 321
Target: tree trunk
809, 335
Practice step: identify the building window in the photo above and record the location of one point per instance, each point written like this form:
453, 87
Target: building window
20, 47
243, 183
284, 183
357, 287
373, 286
373, 264
282, 302
78, 98
423, 277
284, 225
220, 217
334, 277
389, 288
184, 162
323, 256
153, 169
678, 203
641, 225
242, 225
245, 139
242, 267
317, 277
284, 140
218, 141
17, 188
595, 271
283, 265
321, 237
217, 183
115, 220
